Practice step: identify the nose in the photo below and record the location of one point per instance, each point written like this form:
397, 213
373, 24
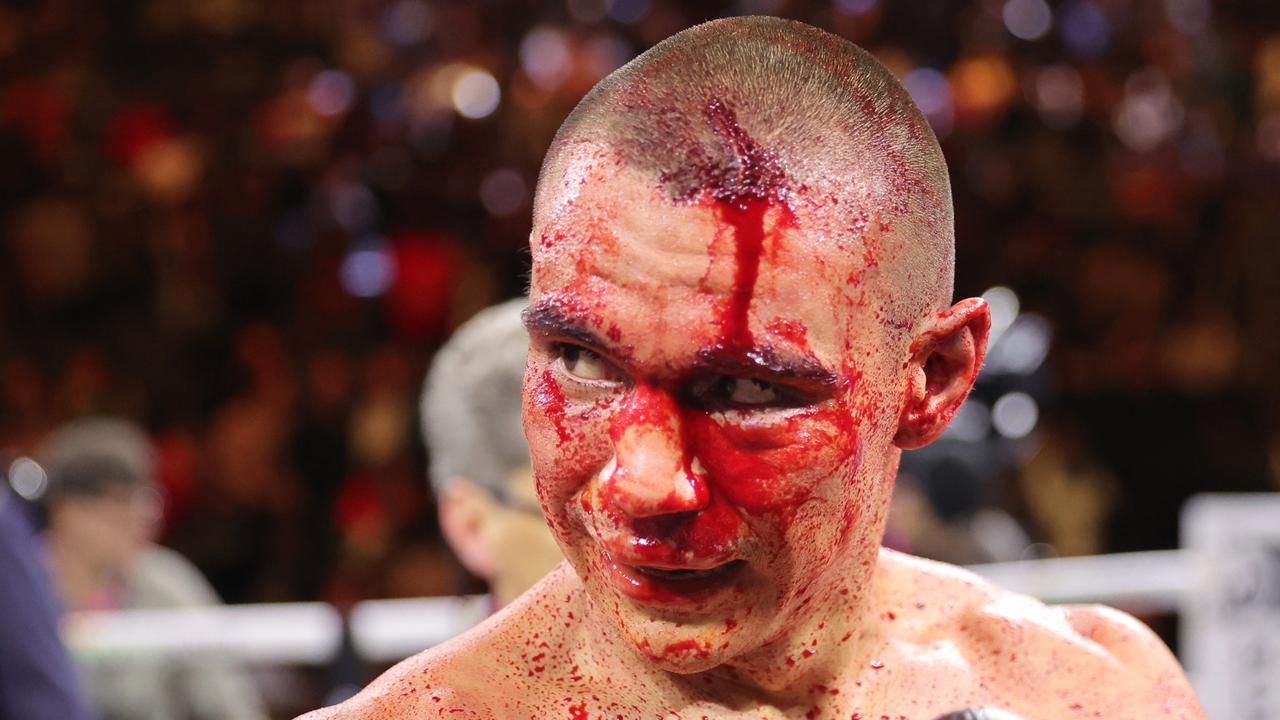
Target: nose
652, 472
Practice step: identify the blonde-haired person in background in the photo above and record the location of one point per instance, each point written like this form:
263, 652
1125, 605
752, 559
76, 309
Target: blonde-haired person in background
479, 459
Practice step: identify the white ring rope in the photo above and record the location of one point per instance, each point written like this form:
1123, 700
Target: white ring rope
388, 630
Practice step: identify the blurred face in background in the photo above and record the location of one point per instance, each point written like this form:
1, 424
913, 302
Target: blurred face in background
505, 540
107, 529
523, 547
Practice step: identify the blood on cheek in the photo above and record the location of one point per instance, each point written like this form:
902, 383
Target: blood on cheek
549, 398
772, 468
760, 465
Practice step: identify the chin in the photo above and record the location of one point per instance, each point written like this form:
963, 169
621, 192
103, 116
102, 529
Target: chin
678, 647
685, 641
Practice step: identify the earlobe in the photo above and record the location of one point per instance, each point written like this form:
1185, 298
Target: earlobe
465, 513
944, 364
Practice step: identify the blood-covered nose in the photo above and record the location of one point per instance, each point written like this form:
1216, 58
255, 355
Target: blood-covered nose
652, 472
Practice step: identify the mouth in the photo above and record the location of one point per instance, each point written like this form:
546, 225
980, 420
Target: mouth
674, 575
675, 587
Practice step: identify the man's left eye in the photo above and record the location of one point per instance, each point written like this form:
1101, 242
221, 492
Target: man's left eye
749, 391
585, 364
743, 392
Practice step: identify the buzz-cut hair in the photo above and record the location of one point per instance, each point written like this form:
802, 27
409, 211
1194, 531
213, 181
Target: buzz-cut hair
470, 404
767, 106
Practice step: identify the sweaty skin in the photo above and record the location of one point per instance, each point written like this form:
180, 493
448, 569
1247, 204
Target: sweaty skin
717, 395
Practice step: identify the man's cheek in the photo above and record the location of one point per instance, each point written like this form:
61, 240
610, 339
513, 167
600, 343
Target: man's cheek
567, 438
775, 470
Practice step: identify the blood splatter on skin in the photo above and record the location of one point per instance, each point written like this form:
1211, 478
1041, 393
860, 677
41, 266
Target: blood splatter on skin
547, 393
718, 384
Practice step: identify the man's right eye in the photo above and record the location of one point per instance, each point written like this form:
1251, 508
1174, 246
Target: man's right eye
585, 364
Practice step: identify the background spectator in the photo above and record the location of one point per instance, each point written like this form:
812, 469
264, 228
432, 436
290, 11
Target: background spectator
101, 505
480, 466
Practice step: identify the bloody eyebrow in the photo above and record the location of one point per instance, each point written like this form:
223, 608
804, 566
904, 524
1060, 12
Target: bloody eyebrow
765, 360
551, 318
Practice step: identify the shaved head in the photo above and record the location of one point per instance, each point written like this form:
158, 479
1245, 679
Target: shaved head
768, 108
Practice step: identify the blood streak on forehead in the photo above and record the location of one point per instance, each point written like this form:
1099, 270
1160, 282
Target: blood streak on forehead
741, 191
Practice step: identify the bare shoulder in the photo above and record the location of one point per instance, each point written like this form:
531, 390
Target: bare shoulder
1076, 658
1137, 649
462, 677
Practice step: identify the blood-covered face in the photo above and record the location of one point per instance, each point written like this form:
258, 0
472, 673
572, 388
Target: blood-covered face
710, 401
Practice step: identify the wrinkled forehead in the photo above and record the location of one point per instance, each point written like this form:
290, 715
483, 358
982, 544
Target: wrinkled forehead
592, 193
615, 246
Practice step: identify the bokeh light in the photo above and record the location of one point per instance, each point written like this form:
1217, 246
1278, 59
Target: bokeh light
1004, 306
1149, 113
606, 52
408, 22
503, 192
331, 92
1058, 95
931, 91
475, 94
369, 268
856, 7
1015, 415
629, 11
982, 87
1027, 19
1190, 17
354, 206
28, 479
1084, 27
1022, 347
544, 56
971, 423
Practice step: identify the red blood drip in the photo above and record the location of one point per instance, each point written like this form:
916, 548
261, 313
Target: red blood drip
746, 217
743, 193
579, 711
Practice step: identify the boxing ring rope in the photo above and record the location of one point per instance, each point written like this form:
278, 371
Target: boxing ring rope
1156, 580
389, 630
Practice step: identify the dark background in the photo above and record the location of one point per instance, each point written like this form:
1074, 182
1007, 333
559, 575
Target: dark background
248, 225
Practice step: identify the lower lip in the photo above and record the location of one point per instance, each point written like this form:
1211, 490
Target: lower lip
673, 591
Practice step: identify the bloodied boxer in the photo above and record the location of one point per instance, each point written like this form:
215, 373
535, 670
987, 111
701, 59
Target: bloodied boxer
740, 316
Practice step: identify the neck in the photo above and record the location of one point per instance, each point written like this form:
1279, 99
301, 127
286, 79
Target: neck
840, 629
835, 630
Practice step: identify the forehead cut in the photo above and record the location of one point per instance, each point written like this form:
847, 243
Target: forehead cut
775, 109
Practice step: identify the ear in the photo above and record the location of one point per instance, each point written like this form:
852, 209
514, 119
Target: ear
944, 364
466, 511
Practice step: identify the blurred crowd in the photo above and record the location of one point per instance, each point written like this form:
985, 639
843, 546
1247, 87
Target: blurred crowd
247, 227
